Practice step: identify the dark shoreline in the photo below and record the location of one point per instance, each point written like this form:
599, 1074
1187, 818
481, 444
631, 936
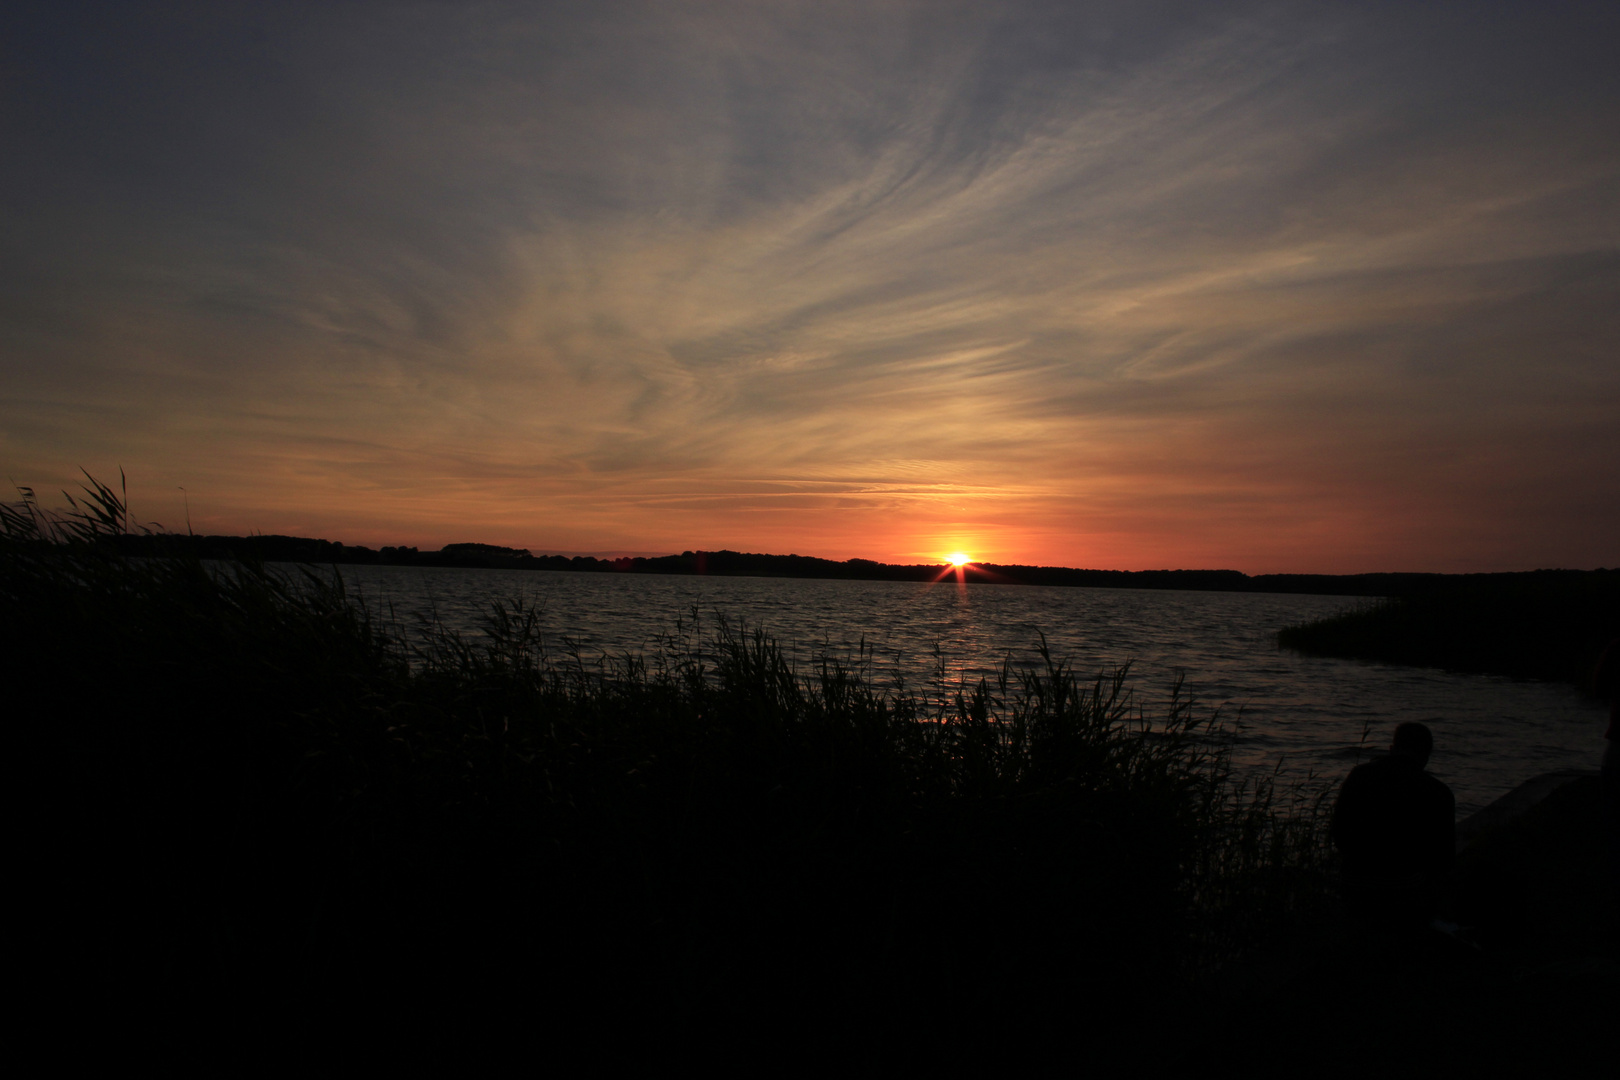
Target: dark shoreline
1547, 625
744, 564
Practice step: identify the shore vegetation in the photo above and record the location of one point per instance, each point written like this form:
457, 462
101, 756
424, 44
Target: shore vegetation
254, 804
1544, 624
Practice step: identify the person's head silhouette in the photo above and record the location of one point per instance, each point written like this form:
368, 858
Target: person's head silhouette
1413, 741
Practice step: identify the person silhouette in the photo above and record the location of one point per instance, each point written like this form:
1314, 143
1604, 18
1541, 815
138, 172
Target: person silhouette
1395, 827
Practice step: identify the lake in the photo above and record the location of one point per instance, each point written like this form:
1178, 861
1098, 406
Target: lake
1306, 716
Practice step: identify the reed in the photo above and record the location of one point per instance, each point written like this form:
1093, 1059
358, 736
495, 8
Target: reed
286, 803
1543, 624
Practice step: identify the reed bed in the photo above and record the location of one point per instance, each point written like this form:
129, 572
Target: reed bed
1541, 624
255, 798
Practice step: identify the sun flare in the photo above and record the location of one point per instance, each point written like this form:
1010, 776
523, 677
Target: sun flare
958, 558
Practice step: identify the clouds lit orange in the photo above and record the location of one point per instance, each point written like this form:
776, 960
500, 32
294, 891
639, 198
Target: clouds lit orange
1325, 289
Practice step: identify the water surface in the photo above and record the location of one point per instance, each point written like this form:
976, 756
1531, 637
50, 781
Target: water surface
1307, 716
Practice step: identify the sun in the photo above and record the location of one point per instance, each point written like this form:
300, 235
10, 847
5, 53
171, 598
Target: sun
958, 558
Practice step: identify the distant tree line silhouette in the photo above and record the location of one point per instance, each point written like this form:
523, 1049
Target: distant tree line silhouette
727, 563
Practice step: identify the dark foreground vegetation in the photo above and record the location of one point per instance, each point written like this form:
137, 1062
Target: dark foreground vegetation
254, 811
1545, 624
1326, 999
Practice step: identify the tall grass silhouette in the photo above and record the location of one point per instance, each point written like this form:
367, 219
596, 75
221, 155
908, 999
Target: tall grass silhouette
255, 797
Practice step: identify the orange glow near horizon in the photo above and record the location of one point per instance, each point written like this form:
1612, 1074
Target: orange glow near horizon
542, 306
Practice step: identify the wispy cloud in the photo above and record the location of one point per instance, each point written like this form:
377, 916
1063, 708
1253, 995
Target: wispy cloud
1319, 288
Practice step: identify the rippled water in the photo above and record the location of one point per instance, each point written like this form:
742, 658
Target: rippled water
1305, 713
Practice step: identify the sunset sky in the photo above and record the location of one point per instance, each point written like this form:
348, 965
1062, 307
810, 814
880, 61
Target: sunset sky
1270, 287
